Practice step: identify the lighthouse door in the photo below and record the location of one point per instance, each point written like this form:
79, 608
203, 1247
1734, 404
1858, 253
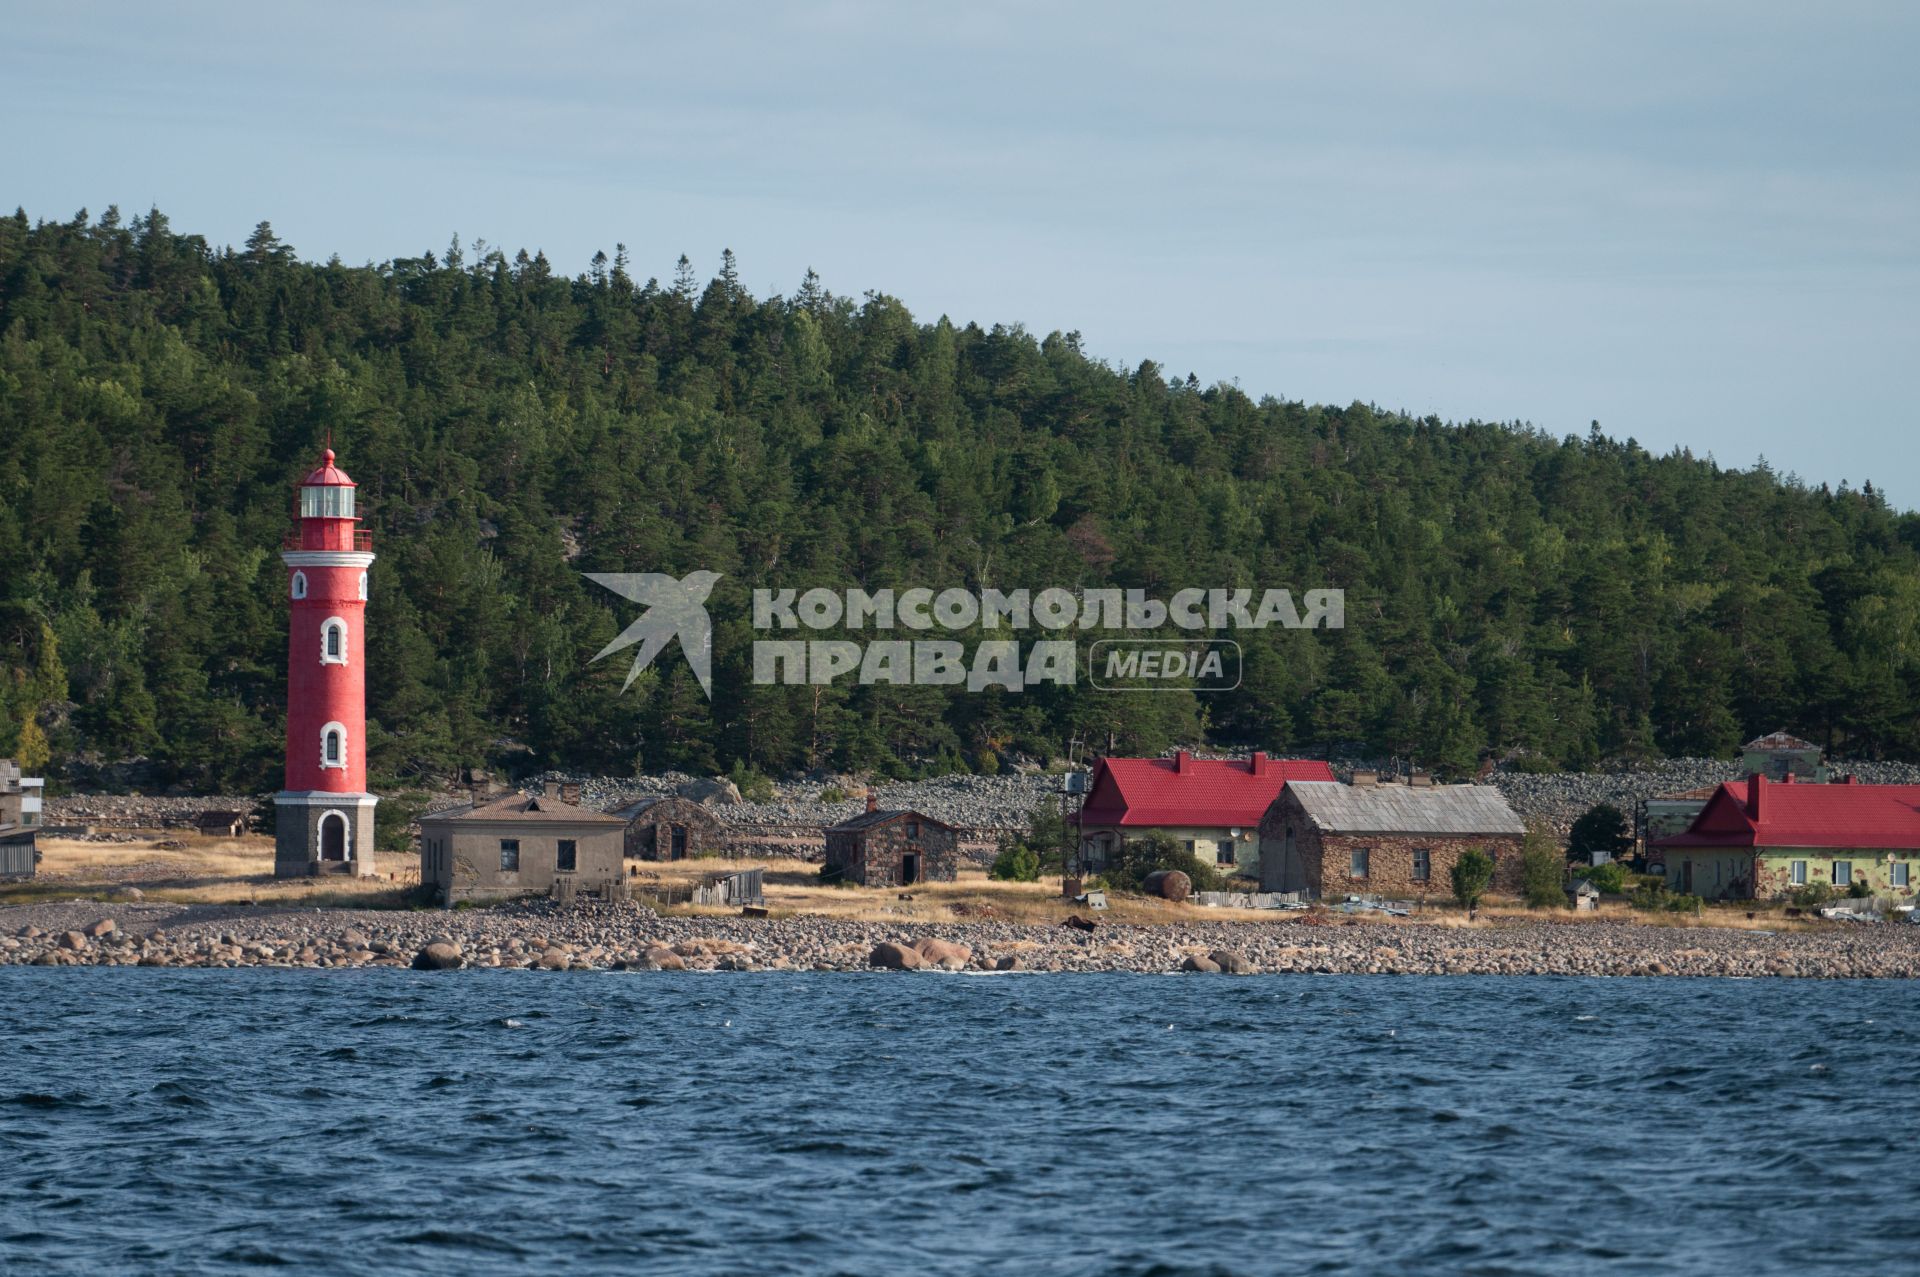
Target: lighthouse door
333, 836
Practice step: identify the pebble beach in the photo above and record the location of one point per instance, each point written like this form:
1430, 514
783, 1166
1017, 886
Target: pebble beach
630, 937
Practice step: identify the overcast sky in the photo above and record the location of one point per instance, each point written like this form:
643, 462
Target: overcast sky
1698, 223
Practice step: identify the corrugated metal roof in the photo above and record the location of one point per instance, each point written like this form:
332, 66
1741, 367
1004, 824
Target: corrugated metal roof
1406, 809
1766, 813
1184, 790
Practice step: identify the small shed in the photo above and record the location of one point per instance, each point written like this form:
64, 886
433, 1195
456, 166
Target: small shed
1584, 895
19, 854
221, 824
892, 848
669, 828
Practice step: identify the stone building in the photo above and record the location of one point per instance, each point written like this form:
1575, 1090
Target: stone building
1208, 806
20, 820
516, 846
669, 828
1384, 838
892, 849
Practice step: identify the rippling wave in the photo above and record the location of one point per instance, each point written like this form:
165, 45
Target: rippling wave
772, 1123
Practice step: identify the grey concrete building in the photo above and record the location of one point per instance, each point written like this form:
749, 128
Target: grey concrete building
514, 845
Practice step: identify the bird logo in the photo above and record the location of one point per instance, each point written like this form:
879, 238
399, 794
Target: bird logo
675, 607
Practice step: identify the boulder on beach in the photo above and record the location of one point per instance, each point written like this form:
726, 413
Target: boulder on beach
895, 957
944, 953
1230, 962
104, 927
661, 958
1194, 962
441, 955
73, 940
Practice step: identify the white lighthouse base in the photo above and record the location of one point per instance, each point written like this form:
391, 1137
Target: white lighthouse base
316, 832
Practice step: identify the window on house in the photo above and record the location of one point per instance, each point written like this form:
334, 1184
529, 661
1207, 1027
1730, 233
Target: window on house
509, 855
299, 585
1357, 864
1223, 852
1189, 846
913, 829
1843, 873
1798, 873
1422, 864
569, 856
1900, 873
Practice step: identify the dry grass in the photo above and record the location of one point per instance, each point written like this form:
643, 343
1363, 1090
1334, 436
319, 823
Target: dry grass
201, 870
793, 888
213, 870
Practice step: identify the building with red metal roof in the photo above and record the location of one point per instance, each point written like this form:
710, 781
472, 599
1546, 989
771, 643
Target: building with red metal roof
1210, 806
1764, 839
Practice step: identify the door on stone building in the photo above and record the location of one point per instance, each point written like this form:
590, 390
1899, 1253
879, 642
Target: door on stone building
679, 842
333, 836
909, 868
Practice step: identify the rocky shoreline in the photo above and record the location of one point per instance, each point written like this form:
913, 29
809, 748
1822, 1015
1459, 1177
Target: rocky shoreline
981, 805
631, 937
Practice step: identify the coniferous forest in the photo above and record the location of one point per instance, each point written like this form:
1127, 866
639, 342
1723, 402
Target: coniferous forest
512, 427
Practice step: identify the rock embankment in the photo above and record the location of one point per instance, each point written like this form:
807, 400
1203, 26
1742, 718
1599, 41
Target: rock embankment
980, 806
629, 937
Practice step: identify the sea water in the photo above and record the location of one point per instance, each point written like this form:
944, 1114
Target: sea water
483, 1122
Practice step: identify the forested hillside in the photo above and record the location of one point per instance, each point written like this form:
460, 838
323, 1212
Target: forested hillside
512, 427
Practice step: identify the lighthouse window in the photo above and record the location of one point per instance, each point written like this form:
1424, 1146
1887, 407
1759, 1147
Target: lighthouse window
299, 585
333, 745
326, 502
333, 641
363, 587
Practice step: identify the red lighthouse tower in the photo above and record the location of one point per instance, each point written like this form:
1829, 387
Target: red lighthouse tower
325, 818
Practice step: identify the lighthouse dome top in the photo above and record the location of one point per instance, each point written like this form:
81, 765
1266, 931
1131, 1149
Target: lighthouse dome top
326, 493
327, 475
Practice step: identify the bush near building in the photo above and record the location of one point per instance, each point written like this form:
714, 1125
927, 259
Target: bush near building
1470, 876
1543, 868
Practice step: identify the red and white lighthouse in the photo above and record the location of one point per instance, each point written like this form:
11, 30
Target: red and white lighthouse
325, 819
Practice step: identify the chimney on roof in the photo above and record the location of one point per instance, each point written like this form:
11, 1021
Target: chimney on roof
1756, 785
1366, 778
1258, 763
551, 790
570, 792
873, 800
1180, 760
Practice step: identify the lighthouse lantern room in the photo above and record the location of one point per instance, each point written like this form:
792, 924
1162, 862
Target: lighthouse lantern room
324, 813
